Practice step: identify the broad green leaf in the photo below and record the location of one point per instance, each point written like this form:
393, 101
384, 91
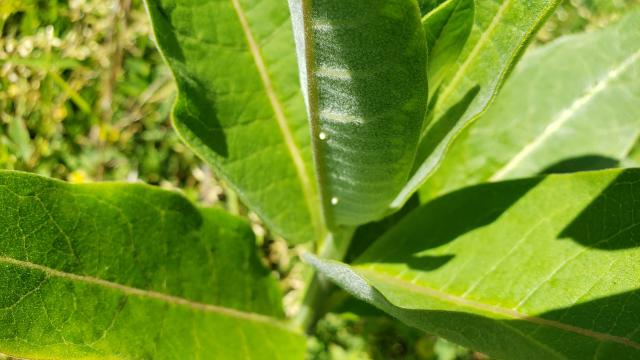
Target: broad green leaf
541, 268
501, 32
239, 105
122, 271
362, 68
447, 29
571, 105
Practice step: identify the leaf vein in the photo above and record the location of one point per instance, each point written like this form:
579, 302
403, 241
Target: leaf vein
131, 291
498, 310
278, 110
567, 114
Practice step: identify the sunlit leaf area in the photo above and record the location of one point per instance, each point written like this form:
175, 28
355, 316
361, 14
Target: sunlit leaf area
320, 179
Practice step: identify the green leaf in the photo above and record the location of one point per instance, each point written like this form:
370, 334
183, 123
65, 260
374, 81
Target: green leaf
19, 134
571, 105
427, 6
541, 268
130, 272
362, 66
447, 29
239, 105
501, 32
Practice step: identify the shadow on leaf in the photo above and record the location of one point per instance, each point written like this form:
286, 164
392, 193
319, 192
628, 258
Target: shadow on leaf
610, 221
438, 131
582, 163
575, 332
194, 114
444, 220
366, 234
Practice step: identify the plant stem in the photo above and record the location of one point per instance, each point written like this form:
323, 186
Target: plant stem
313, 306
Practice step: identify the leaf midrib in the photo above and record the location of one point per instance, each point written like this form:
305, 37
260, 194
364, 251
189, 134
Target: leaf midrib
132, 291
434, 11
484, 38
498, 310
280, 116
313, 103
588, 95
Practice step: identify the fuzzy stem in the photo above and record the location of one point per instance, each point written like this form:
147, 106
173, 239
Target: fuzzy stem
313, 305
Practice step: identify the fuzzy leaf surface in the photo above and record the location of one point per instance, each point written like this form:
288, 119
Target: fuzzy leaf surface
539, 268
122, 271
363, 73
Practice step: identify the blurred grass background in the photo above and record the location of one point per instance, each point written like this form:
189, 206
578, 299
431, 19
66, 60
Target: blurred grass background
84, 96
